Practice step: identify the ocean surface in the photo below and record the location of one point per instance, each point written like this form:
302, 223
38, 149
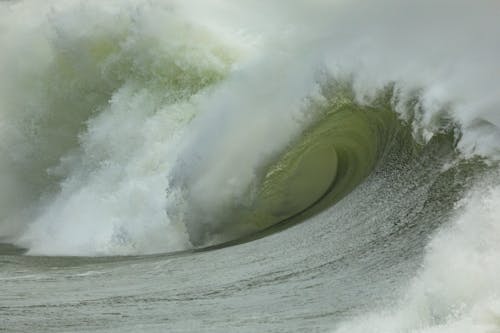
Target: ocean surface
248, 166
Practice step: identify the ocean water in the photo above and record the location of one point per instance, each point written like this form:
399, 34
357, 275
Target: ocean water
238, 166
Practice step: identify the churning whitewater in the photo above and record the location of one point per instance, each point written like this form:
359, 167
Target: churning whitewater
237, 166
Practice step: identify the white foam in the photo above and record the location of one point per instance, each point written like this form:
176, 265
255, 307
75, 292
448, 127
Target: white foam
457, 289
90, 128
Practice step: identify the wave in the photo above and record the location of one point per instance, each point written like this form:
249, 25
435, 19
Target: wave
159, 126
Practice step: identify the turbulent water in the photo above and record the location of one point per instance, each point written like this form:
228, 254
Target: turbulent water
238, 166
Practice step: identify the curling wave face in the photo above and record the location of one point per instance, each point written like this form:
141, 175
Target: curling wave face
335, 150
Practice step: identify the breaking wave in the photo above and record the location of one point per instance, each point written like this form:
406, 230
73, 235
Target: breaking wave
160, 126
